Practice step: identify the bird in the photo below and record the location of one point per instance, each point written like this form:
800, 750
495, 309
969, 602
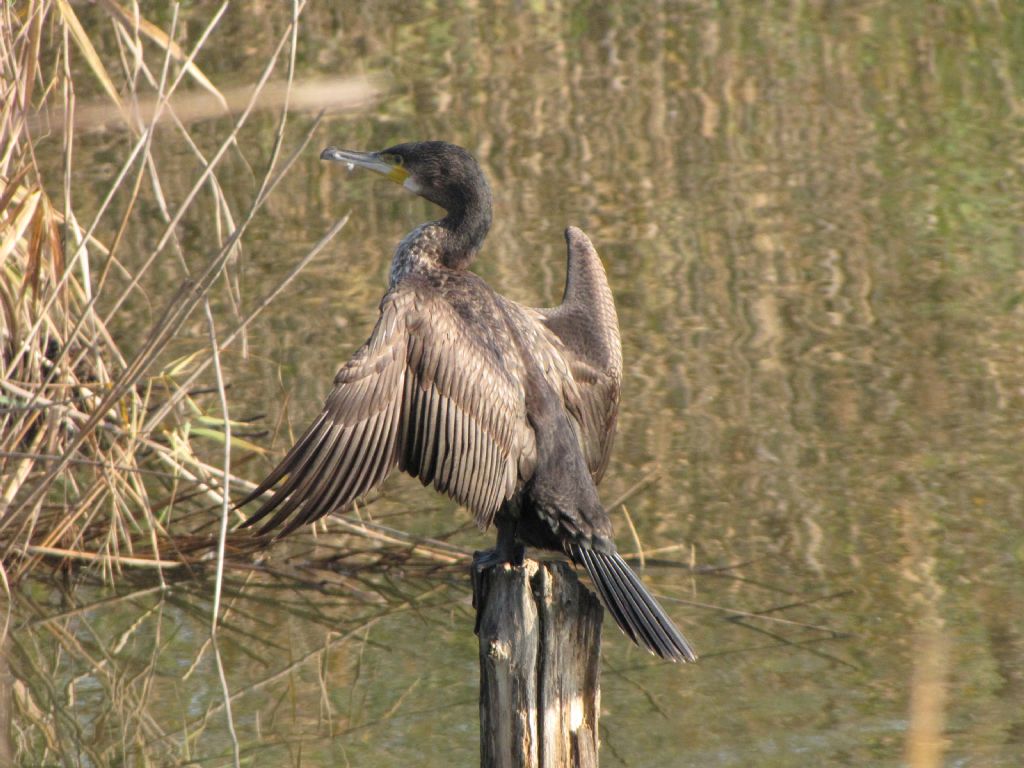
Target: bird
509, 410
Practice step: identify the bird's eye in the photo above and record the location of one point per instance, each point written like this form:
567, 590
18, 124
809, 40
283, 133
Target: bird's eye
397, 160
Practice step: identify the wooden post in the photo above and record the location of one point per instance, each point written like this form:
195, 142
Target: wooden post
540, 663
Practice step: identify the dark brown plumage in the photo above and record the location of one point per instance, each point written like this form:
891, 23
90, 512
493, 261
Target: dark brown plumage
507, 409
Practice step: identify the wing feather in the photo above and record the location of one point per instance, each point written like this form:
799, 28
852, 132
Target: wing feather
423, 394
587, 327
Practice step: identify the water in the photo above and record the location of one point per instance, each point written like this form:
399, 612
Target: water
811, 218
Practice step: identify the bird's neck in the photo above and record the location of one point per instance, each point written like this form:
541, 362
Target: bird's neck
451, 243
466, 224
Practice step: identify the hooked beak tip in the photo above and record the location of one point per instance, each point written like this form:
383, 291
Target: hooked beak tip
371, 161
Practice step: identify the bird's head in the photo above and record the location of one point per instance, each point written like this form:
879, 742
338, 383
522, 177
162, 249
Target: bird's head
442, 173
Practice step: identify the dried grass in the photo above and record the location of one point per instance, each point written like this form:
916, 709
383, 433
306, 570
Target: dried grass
96, 458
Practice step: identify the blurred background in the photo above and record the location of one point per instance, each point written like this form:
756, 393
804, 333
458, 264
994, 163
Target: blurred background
812, 218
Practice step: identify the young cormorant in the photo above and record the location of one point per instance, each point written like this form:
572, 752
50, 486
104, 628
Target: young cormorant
507, 409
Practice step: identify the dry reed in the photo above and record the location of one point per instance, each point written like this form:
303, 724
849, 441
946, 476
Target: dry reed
96, 459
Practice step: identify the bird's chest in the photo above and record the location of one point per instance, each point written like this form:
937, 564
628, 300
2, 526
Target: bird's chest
418, 253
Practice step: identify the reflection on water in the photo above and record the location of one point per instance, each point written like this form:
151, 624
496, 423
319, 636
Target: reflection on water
811, 217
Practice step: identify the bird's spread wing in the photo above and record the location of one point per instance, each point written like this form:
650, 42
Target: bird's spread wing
596, 411
588, 329
422, 394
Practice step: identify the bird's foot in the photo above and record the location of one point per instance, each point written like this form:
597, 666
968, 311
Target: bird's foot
484, 560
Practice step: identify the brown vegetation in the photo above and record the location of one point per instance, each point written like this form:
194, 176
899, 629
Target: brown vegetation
96, 462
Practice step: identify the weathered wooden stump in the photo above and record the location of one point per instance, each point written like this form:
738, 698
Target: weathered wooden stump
540, 663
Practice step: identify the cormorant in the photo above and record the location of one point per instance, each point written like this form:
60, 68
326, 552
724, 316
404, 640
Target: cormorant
509, 410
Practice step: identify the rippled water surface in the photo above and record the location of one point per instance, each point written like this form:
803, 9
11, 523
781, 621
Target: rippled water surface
812, 216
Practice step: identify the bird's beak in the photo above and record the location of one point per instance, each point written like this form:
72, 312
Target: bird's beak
372, 161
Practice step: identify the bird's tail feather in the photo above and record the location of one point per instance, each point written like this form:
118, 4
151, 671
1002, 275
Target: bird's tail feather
631, 605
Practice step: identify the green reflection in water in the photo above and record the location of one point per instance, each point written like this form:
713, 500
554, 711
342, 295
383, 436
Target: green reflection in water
811, 216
